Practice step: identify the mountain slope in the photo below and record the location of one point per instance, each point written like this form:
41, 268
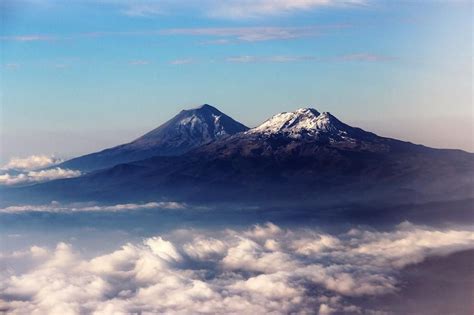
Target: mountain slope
303, 132
298, 157
187, 130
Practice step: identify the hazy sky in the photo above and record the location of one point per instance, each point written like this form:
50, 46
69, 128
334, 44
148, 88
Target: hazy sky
77, 76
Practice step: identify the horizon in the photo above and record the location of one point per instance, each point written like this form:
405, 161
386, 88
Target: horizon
376, 65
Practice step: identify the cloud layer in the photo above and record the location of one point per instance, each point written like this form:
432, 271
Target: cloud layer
238, 9
56, 207
37, 176
265, 269
211, 35
230, 9
253, 34
29, 170
32, 162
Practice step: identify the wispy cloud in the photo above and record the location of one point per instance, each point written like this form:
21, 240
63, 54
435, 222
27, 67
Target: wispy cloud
182, 61
221, 41
264, 59
263, 270
11, 66
254, 34
143, 9
238, 9
366, 57
229, 9
61, 66
139, 62
218, 35
28, 38
56, 207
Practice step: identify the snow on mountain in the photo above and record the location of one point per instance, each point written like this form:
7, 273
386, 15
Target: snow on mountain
300, 155
302, 132
187, 130
300, 123
191, 128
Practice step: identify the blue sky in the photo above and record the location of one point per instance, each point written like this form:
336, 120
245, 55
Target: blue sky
77, 76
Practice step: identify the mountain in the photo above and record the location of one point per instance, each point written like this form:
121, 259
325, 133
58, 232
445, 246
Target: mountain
303, 132
292, 158
187, 130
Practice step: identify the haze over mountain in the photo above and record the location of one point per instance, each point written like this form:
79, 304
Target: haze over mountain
187, 130
300, 156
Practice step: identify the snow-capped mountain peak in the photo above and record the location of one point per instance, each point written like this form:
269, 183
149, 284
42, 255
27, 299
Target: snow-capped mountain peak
187, 130
301, 121
193, 127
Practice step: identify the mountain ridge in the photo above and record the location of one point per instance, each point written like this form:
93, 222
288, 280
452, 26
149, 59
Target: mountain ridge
185, 131
297, 157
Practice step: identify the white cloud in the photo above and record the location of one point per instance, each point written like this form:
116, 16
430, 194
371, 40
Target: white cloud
253, 34
366, 57
264, 59
229, 9
56, 207
61, 66
324, 309
28, 38
139, 62
237, 273
264, 231
37, 176
11, 66
237, 9
181, 61
32, 162
143, 10
203, 248
218, 35
409, 245
242, 59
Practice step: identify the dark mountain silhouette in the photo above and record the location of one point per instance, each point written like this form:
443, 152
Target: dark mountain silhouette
294, 158
187, 130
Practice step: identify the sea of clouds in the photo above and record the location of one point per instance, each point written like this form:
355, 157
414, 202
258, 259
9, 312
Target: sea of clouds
265, 269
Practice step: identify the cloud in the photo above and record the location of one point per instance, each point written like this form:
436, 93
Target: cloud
242, 59
28, 38
20, 171
221, 35
237, 9
270, 59
139, 62
11, 66
32, 162
142, 9
61, 66
254, 34
230, 9
221, 41
203, 248
37, 176
56, 207
182, 61
223, 272
367, 57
